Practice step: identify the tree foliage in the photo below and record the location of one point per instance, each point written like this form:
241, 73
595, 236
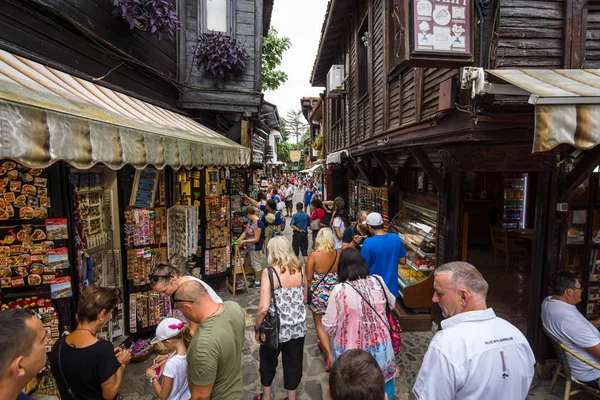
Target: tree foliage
285, 134
295, 124
272, 54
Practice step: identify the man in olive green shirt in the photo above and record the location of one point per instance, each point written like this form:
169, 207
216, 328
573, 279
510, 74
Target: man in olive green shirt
215, 353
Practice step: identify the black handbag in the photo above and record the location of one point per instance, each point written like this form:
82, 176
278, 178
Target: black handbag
311, 293
269, 327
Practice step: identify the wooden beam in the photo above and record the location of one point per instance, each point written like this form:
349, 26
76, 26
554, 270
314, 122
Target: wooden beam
580, 173
361, 170
428, 167
389, 172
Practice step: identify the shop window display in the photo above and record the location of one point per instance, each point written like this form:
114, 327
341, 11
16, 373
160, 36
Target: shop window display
375, 199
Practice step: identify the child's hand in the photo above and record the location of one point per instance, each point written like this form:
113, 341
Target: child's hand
150, 372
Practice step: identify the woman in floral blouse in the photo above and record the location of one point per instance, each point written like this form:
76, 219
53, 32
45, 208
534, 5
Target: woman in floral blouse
356, 315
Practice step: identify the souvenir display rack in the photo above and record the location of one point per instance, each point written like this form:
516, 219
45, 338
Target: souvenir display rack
35, 268
375, 199
144, 233
237, 187
352, 198
416, 226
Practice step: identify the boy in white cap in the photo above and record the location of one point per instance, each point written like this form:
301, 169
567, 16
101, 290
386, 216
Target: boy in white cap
382, 252
172, 336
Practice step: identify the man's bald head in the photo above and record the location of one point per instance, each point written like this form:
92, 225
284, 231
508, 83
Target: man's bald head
191, 290
191, 298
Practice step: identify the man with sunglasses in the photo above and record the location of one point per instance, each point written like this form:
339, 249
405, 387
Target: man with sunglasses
215, 353
21, 359
562, 319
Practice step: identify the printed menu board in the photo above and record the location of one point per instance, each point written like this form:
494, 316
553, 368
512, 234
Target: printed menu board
442, 26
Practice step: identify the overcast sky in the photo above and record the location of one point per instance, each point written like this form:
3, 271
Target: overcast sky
301, 21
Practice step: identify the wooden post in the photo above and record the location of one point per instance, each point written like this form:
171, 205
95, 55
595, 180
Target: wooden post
238, 268
465, 236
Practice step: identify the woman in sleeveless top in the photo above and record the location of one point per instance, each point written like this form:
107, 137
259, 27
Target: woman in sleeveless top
351, 319
288, 283
321, 276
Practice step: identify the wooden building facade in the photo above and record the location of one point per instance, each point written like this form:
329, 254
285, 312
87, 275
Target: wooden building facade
85, 39
421, 135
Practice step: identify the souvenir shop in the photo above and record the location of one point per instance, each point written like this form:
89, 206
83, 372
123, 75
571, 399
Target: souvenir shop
105, 210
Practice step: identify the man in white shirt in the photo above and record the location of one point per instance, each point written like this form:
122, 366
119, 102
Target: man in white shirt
561, 318
477, 355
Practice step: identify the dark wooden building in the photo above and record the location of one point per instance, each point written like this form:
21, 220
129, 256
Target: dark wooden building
84, 39
514, 156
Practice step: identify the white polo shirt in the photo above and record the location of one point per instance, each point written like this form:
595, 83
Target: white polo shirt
570, 327
476, 356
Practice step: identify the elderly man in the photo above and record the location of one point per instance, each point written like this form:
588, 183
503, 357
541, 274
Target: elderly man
355, 236
562, 320
215, 353
23, 343
477, 355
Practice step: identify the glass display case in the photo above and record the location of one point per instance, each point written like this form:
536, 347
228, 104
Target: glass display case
416, 226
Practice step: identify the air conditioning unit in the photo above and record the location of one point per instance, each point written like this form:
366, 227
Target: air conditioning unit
335, 78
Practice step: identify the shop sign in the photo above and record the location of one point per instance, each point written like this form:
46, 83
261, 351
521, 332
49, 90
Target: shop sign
431, 33
441, 27
294, 156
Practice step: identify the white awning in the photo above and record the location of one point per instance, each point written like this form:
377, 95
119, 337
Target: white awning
567, 104
336, 157
312, 169
47, 115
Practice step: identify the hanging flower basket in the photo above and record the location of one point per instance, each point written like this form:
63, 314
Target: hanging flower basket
318, 143
221, 55
152, 16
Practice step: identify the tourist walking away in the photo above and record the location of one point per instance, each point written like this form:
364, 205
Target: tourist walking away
322, 276
477, 355
357, 233
382, 252
253, 238
172, 337
299, 224
282, 292
355, 375
568, 325
20, 360
340, 222
86, 367
318, 214
288, 193
356, 315
215, 354
307, 198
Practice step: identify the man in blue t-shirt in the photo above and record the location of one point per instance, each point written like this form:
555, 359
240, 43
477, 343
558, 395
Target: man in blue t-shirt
382, 252
307, 197
299, 224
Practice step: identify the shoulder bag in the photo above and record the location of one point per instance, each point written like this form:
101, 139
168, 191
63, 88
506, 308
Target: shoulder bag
311, 293
393, 322
269, 327
315, 224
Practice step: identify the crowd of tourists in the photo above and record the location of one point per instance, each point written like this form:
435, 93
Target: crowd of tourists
349, 282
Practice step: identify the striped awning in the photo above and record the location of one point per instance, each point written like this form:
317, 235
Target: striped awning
567, 105
47, 115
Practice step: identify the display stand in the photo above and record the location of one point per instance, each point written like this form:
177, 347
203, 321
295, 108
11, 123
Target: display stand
238, 268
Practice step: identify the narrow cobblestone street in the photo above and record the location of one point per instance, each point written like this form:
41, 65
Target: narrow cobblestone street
314, 383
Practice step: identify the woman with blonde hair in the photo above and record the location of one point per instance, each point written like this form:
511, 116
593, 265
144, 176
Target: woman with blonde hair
321, 271
284, 281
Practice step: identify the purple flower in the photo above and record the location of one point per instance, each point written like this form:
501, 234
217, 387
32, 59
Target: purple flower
220, 54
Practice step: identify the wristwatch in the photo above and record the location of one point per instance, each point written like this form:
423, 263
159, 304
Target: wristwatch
256, 329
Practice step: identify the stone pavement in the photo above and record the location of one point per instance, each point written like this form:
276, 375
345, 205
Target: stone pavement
314, 383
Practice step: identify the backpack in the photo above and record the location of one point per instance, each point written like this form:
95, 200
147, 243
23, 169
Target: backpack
283, 221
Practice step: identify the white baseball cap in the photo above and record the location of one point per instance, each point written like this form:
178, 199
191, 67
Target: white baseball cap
167, 329
373, 219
